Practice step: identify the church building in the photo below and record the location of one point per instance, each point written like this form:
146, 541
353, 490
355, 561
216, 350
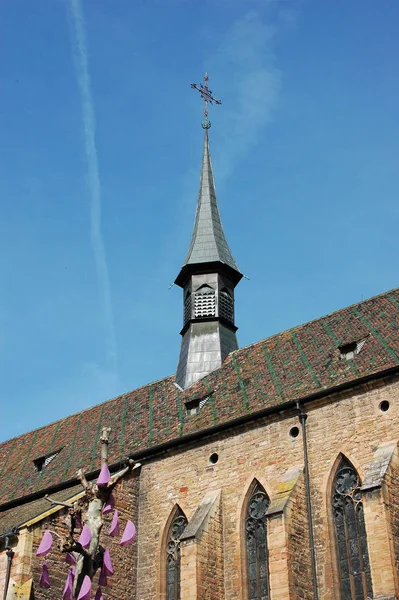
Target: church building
269, 472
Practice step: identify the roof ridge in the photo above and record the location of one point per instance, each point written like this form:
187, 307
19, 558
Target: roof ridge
79, 412
289, 329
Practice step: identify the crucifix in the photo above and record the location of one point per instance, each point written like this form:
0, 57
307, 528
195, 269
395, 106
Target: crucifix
206, 95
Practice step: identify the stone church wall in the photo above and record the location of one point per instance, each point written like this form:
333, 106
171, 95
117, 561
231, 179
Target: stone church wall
202, 557
299, 565
184, 478
210, 560
391, 505
350, 424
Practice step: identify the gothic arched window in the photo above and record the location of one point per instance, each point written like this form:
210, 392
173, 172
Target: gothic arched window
256, 544
350, 532
176, 529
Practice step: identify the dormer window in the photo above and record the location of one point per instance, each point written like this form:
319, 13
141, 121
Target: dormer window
349, 351
193, 407
42, 462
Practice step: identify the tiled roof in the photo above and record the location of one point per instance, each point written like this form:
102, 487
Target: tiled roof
288, 366
15, 517
208, 242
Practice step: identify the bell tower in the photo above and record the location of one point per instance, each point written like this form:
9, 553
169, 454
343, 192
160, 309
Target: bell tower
208, 278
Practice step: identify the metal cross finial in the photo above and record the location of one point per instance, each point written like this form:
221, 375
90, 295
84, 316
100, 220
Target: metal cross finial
206, 95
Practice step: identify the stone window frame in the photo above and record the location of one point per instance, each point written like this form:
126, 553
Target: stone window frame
165, 539
255, 483
332, 534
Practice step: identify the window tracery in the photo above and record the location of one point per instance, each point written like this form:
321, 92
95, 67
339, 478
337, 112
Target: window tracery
350, 531
256, 544
176, 529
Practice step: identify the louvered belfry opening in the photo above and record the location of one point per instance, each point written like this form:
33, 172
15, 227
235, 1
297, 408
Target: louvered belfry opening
226, 305
205, 302
173, 557
350, 531
187, 308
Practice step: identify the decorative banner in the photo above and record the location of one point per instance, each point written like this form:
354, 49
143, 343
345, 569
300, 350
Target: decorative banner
104, 476
44, 581
107, 565
114, 530
45, 544
67, 594
128, 535
85, 537
109, 505
70, 559
85, 590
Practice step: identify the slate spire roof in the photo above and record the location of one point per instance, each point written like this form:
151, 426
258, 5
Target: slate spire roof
208, 241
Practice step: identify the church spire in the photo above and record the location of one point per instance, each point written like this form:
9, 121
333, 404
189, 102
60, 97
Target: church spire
208, 277
208, 242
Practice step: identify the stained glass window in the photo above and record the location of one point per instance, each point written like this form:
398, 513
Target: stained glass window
350, 531
256, 544
173, 556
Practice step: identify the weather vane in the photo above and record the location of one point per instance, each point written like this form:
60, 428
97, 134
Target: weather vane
206, 95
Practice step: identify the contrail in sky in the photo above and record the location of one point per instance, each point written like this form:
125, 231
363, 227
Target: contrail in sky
79, 48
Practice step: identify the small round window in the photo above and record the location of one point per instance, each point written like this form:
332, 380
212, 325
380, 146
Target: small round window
213, 459
294, 432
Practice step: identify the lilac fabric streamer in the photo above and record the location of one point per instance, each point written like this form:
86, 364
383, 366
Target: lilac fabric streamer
128, 535
102, 580
114, 530
70, 559
44, 581
85, 590
45, 544
67, 594
85, 537
99, 595
109, 505
104, 476
107, 564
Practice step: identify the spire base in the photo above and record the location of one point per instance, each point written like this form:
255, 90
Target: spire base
204, 348
203, 269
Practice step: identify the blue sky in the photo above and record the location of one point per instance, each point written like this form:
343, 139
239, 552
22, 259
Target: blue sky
100, 151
